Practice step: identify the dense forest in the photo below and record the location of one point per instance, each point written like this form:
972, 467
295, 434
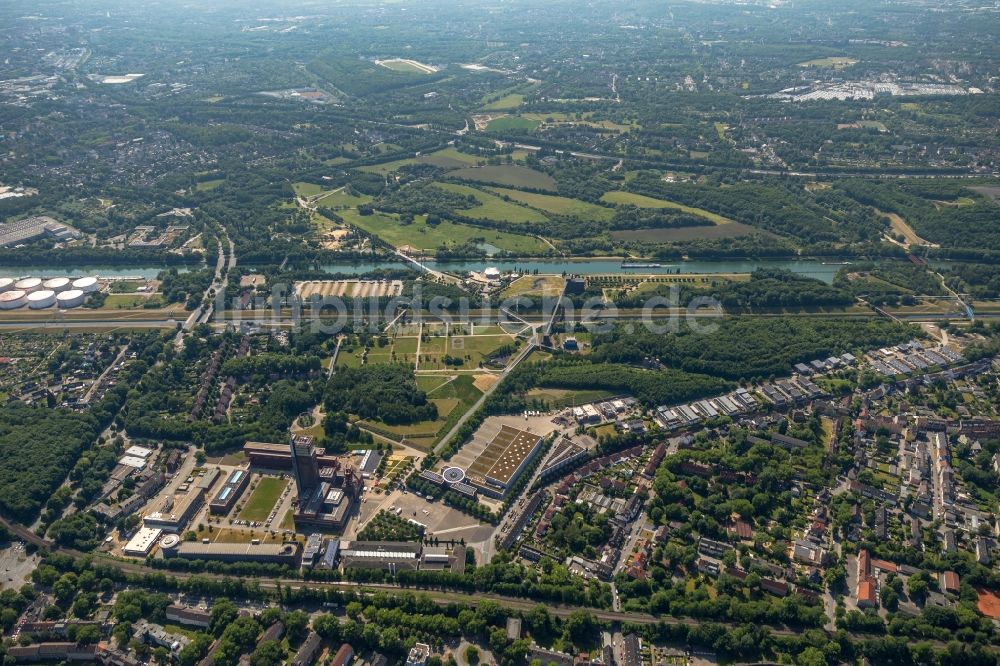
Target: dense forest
744, 348
388, 393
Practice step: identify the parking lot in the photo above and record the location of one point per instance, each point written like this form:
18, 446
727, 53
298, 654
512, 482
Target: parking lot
16, 566
439, 520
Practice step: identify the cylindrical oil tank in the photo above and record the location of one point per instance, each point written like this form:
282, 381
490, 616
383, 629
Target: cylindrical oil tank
70, 299
41, 299
28, 285
56, 284
13, 299
86, 284
6, 284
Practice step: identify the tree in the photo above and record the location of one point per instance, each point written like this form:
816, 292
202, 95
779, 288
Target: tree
917, 589
268, 653
472, 655
222, 614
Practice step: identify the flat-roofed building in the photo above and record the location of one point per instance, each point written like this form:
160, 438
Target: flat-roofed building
194, 617
230, 492
387, 555
277, 553
503, 460
173, 514
142, 542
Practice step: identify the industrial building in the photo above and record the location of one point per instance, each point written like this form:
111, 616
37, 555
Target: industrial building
503, 460
230, 492
390, 556
33, 228
277, 553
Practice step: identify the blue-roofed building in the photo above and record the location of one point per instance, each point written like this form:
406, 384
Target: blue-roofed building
231, 490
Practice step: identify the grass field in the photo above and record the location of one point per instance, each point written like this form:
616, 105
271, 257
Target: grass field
342, 199
626, 198
206, 185
900, 227
129, 301
586, 119
679, 234
535, 286
505, 103
511, 175
835, 62
508, 123
447, 158
557, 205
428, 238
492, 207
559, 398
307, 189
263, 498
405, 65
452, 398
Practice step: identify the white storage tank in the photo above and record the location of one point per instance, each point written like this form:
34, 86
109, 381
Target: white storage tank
70, 299
11, 300
41, 299
56, 284
28, 285
6, 284
86, 284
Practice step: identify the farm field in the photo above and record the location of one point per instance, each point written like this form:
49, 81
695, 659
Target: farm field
263, 498
557, 205
493, 207
425, 238
628, 198
511, 175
